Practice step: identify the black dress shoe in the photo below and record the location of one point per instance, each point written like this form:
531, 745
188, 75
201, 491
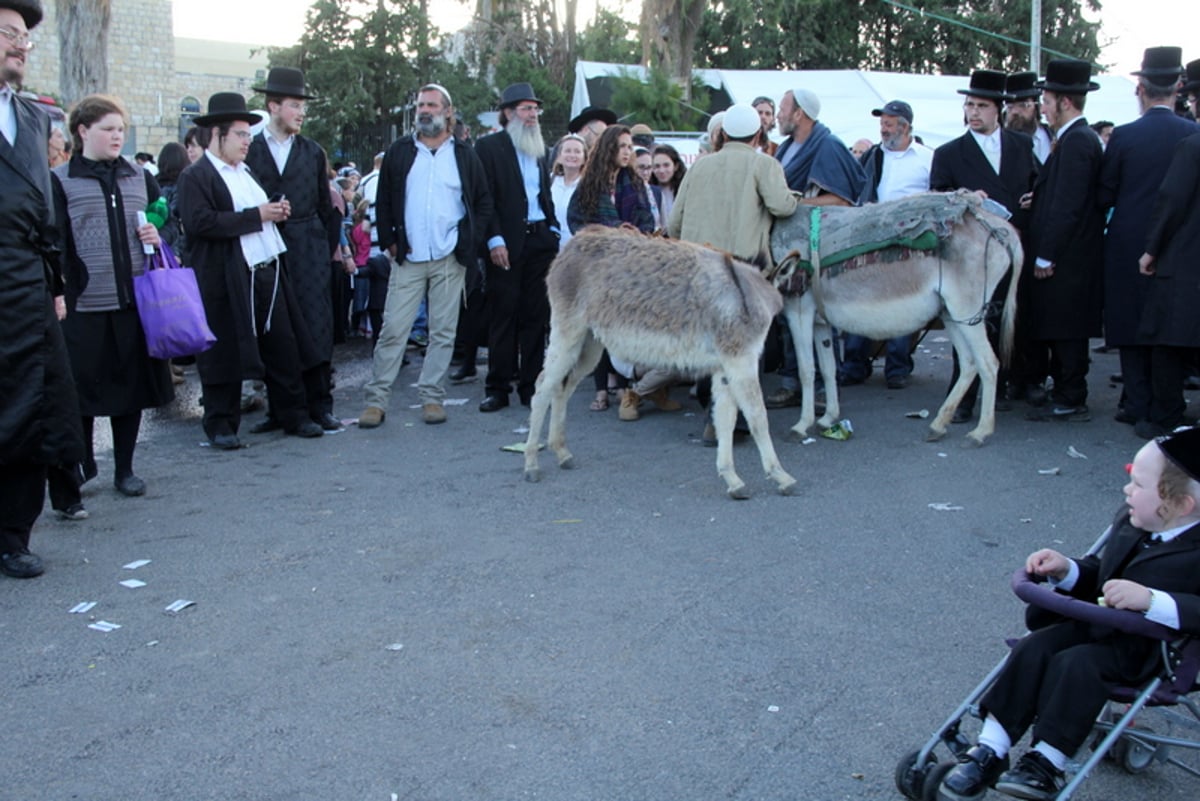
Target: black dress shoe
328, 422
266, 426
462, 374
1125, 417
307, 429
962, 415
225, 442
21, 564
897, 382
525, 397
976, 771
1034, 778
1036, 395
130, 485
493, 403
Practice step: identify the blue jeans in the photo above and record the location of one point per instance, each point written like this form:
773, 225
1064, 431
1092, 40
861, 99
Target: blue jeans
856, 362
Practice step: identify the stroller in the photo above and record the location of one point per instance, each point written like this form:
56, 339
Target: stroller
919, 773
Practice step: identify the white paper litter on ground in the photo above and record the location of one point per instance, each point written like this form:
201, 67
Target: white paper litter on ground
396, 646
1074, 454
455, 401
521, 430
1049, 471
922, 414
132, 584
944, 506
179, 606
104, 625
134, 565
807, 441
80, 608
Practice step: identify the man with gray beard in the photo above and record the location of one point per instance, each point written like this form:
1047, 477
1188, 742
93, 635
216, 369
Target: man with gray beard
429, 242
522, 240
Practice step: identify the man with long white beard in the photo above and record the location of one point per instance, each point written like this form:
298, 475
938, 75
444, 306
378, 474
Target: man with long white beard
429, 242
522, 240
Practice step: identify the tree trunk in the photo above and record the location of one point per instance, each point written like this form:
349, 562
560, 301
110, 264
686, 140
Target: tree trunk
82, 47
669, 31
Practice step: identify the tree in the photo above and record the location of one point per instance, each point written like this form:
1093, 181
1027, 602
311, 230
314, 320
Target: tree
609, 38
669, 34
881, 35
658, 101
82, 47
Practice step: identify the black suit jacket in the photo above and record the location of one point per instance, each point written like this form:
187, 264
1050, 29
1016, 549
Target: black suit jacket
499, 158
961, 164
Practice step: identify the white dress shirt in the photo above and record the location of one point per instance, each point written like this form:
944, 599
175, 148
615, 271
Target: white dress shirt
8, 118
280, 150
990, 145
904, 172
433, 203
258, 246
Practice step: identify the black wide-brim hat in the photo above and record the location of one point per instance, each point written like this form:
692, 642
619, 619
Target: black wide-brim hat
1068, 76
285, 82
517, 92
590, 114
225, 107
1193, 78
1183, 448
30, 10
987, 83
1162, 66
1020, 85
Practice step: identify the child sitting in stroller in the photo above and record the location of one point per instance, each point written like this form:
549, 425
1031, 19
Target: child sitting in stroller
1059, 677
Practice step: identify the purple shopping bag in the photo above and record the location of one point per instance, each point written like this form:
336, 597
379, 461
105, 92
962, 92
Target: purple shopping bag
169, 305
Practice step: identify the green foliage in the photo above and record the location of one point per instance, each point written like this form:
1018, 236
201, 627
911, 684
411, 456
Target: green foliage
658, 101
877, 35
609, 38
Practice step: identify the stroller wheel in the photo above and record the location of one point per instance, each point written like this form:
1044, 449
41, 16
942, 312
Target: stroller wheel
1135, 757
933, 780
910, 778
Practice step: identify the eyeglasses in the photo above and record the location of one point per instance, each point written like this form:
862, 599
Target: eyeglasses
529, 108
296, 105
19, 40
245, 136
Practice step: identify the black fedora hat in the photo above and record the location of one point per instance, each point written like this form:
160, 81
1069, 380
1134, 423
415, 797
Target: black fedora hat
1193, 77
1162, 65
514, 94
1068, 76
1021, 85
226, 107
987, 83
30, 10
285, 82
590, 114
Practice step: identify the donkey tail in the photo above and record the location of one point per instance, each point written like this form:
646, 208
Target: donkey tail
1008, 318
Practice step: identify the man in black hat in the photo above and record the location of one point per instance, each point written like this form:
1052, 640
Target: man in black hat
1135, 164
1191, 88
590, 123
987, 158
1066, 226
522, 240
294, 167
1023, 112
238, 254
39, 412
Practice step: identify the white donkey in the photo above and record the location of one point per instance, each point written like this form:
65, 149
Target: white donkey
948, 253
658, 303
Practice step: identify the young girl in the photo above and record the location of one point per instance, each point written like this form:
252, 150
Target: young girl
1058, 678
360, 243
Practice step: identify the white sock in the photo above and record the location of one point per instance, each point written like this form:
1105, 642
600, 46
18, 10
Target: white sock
995, 737
1057, 758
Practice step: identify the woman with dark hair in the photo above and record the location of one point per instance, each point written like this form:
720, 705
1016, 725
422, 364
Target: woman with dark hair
172, 160
196, 142
668, 171
97, 196
610, 191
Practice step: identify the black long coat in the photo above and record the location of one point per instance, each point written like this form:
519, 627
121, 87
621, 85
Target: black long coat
214, 228
1066, 226
499, 158
39, 412
1135, 163
960, 164
1171, 315
311, 233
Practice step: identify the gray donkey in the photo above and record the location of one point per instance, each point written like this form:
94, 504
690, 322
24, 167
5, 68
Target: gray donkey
658, 303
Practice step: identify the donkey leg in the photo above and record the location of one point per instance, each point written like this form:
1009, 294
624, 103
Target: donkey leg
800, 323
967, 370
560, 356
823, 334
724, 411
989, 367
742, 375
592, 350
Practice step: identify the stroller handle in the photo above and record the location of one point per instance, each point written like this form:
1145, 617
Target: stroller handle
1033, 591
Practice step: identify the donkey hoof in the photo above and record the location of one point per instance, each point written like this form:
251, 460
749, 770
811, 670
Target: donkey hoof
794, 435
533, 476
788, 488
973, 441
567, 463
934, 435
739, 493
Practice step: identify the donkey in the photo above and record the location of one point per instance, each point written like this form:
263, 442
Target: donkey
660, 303
948, 253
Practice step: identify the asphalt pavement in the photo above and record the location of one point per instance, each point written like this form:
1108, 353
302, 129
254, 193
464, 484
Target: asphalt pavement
396, 614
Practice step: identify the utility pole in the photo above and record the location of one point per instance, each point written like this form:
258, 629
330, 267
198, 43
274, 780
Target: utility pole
1035, 37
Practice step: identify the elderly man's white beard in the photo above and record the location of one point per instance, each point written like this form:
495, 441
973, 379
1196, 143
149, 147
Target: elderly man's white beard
526, 139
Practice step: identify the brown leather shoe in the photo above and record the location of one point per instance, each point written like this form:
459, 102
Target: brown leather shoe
661, 398
629, 406
372, 417
432, 413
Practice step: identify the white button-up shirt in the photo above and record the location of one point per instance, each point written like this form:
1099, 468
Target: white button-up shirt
904, 172
433, 203
258, 246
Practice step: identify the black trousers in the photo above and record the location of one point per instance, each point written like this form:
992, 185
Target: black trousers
1168, 369
519, 315
1136, 381
1058, 678
1064, 360
22, 495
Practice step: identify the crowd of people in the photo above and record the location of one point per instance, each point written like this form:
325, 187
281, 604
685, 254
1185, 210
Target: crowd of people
446, 243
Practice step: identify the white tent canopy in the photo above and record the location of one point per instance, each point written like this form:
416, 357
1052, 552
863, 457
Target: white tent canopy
848, 96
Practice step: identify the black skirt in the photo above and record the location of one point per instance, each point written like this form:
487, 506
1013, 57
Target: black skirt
114, 374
